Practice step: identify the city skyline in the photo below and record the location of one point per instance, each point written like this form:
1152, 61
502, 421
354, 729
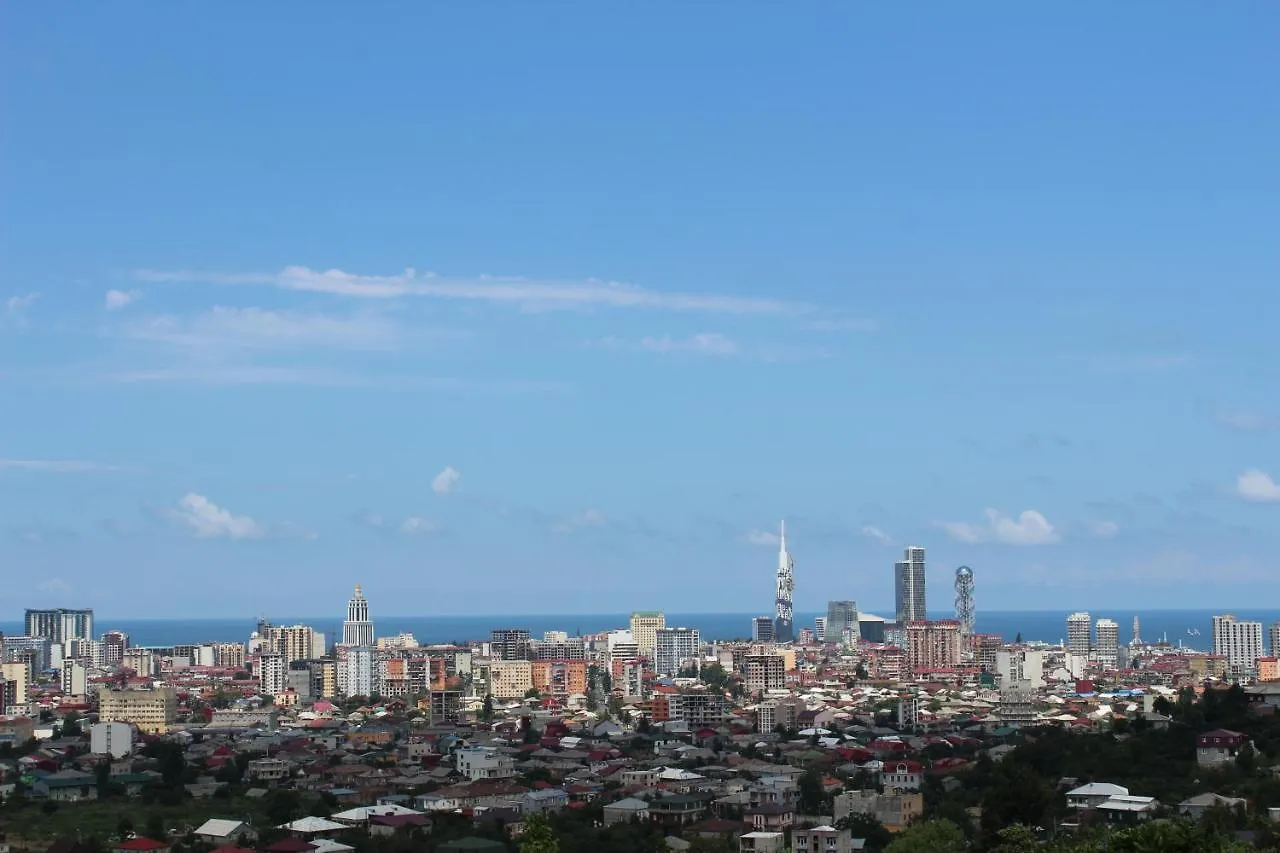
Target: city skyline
532, 304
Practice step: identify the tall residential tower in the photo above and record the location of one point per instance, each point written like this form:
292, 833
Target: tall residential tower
358, 629
908, 586
783, 626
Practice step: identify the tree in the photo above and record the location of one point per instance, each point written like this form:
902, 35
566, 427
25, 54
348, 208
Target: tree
71, 725
1247, 760
124, 827
532, 693
155, 827
812, 795
486, 713
1017, 639
538, 836
866, 827
932, 836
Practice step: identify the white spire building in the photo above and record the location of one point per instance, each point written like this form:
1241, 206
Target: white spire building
783, 623
357, 630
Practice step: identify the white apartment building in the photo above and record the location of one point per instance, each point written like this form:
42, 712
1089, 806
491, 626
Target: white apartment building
1079, 629
1107, 645
483, 762
273, 674
113, 739
1239, 642
504, 679
1020, 667
75, 678
645, 625
674, 648
358, 672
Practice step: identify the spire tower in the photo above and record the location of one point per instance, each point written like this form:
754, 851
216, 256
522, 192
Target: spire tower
783, 630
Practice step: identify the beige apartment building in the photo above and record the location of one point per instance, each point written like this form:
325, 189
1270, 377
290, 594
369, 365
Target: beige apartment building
152, 711
503, 679
16, 675
644, 630
229, 655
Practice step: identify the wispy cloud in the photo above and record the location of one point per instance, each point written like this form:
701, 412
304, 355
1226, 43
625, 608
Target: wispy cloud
416, 525
704, 343
1029, 528
761, 537
18, 304
233, 374
247, 328
875, 533
845, 324
515, 290
204, 519
41, 534
57, 466
446, 480
1134, 361
117, 299
1104, 530
578, 521
1247, 420
1257, 486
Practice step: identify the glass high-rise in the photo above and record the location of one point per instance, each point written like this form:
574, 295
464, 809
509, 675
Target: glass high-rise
908, 586
842, 617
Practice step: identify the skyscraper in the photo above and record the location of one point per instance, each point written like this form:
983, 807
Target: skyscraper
1108, 642
762, 629
1275, 639
675, 647
1239, 642
908, 586
358, 629
1079, 631
644, 623
59, 625
783, 628
842, 622
509, 643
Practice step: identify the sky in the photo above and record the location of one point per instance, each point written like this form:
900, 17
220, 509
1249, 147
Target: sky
563, 307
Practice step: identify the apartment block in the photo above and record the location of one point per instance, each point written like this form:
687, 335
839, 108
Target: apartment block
675, 648
895, 810
152, 711
505, 679
559, 677
14, 678
645, 625
933, 645
765, 672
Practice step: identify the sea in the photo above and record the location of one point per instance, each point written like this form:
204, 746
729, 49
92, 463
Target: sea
1188, 628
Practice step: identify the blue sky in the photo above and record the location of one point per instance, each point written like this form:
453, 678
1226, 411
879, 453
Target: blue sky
558, 307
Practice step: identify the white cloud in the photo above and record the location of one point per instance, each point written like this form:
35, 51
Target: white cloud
1257, 486
1029, 528
1248, 421
416, 525
56, 586
1104, 530
205, 519
517, 291
703, 343
446, 480
762, 537
846, 324
248, 328
877, 534
56, 466
586, 518
17, 304
117, 299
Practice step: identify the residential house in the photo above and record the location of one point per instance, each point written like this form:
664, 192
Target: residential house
679, 809
545, 800
66, 786
823, 839
1094, 794
483, 762
140, 844
1219, 747
390, 824
626, 810
1196, 807
762, 842
219, 831
1127, 810
267, 770
895, 810
902, 775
